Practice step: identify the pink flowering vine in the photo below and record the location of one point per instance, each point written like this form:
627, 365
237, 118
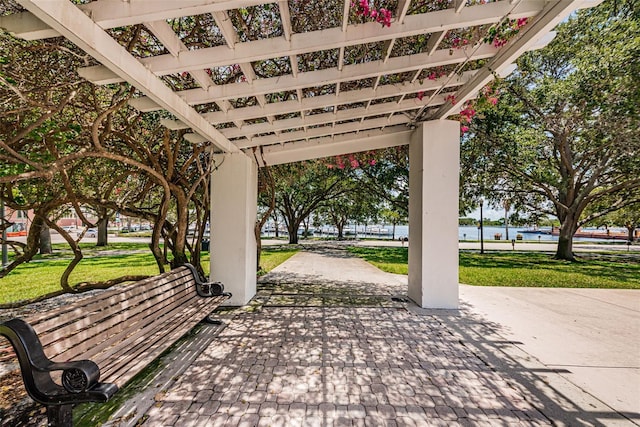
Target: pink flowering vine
487, 95
500, 35
467, 113
352, 161
381, 16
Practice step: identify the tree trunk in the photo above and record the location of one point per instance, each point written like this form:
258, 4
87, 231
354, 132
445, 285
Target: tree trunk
506, 221
630, 230
102, 231
45, 239
182, 223
293, 233
393, 233
564, 250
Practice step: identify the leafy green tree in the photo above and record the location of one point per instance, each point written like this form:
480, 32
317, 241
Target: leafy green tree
392, 217
303, 187
564, 134
338, 211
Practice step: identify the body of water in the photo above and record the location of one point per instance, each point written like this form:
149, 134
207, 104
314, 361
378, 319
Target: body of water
464, 233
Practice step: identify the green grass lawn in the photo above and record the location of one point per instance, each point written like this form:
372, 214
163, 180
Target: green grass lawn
523, 269
271, 257
42, 275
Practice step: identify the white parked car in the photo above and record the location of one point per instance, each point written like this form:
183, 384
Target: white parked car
92, 232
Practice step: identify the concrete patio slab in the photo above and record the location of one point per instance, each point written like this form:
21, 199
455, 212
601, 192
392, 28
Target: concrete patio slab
591, 336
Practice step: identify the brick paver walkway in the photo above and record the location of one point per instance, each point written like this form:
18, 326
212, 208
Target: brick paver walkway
316, 352
290, 366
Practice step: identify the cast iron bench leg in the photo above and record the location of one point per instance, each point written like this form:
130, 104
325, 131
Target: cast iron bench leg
60, 415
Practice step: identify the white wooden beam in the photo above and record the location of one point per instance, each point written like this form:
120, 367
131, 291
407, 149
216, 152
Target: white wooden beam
331, 75
324, 101
324, 118
333, 146
223, 21
27, 26
317, 132
434, 41
334, 38
69, 21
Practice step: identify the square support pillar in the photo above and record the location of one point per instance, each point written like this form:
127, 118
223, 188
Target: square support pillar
434, 165
234, 198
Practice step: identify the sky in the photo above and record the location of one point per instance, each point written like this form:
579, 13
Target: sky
487, 212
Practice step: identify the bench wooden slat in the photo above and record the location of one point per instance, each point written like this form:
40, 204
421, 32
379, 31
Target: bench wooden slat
131, 332
105, 323
114, 297
115, 330
120, 292
120, 371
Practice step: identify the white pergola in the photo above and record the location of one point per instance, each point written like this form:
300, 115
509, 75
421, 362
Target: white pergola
304, 80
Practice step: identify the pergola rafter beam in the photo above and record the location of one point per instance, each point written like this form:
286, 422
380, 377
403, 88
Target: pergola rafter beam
332, 146
317, 132
328, 76
69, 21
329, 117
334, 38
325, 101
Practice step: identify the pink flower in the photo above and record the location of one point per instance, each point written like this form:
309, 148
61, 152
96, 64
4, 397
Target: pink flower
384, 17
464, 129
372, 162
421, 95
493, 100
354, 163
498, 42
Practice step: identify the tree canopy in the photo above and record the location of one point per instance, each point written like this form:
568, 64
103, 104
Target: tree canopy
563, 135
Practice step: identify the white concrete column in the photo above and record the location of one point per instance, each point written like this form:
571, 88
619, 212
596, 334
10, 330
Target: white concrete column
234, 198
434, 164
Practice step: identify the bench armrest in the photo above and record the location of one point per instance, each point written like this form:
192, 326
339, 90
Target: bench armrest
211, 289
80, 379
207, 289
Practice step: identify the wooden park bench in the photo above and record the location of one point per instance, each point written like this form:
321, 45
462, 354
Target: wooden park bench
84, 352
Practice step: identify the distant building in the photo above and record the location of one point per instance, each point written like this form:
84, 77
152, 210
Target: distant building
20, 221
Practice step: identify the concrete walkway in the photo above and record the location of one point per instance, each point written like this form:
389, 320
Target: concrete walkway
330, 341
